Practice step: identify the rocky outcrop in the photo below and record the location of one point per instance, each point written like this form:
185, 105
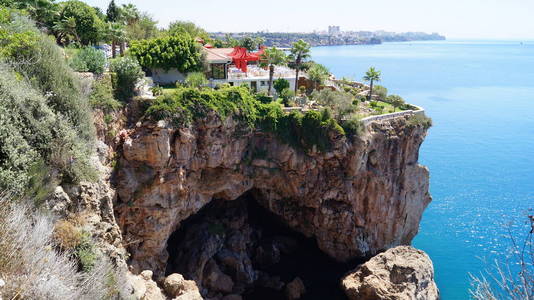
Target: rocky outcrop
401, 273
356, 200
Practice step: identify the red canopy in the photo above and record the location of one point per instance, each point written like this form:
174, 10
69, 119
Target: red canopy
240, 57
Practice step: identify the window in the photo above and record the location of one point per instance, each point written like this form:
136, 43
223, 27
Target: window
218, 71
263, 83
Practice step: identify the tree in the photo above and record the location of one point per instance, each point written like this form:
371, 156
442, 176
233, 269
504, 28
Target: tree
128, 72
280, 84
318, 74
144, 28
129, 14
113, 13
176, 51
117, 34
396, 101
81, 19
43, 12
249, 43
340, 103
299, 53
270, 58
371, 76
180, 28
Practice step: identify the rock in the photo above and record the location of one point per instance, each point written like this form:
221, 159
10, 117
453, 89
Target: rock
59, 202
295, 289
355, 200
215, 280
147, 275
232, 297
144, 288
178, 288
401, 273
2, 283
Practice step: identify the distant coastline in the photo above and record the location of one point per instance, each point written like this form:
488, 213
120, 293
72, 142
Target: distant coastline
286, 39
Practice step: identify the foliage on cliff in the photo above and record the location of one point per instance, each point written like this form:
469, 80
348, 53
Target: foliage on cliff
44, 117
300, 130
175, 51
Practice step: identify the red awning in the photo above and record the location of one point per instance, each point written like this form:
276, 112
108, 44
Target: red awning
240, 57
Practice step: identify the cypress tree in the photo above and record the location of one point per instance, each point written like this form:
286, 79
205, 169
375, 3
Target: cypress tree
113, 12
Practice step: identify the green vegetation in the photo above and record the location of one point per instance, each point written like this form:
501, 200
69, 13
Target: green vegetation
340, 103
102, 95
44, 117
127, 72
176, 51
318, 74
77, 22
420, 120
396, 101
303, 131
270, 58
371, 76
280, 84
300, 52
85, 253
196, 79
89, 59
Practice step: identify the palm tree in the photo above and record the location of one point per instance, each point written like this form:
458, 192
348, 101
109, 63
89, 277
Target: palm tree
130, 14
117, 34
65, 31
371, 75
272, 57
318, 74
299, 53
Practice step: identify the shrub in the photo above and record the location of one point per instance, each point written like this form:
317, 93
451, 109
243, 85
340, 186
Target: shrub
127, 73
353, 127
380, 91
420, 120
85, 253
340, 103
157, 90
196, 80
280, 84
66, 235
395, 100
102, 95
287, 95
264, 98
89, 59
32, 269
178, 51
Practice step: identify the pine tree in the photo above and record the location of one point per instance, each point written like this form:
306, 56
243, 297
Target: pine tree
113, 12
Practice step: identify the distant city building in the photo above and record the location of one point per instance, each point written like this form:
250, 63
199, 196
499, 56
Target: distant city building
334, 30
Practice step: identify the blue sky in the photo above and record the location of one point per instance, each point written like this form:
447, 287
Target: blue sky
483, 19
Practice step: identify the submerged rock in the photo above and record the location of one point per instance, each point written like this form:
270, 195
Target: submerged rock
401, 273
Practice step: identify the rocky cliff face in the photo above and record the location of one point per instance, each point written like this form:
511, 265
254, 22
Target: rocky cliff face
356, 200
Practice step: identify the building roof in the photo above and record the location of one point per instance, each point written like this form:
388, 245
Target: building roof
218, 55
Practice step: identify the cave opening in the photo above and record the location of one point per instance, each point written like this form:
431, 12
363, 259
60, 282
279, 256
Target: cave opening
239, 247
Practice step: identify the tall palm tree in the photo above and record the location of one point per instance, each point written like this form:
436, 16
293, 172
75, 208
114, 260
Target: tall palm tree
117, 35
299, 53
371, 75
272, 57
130, 14
318, 74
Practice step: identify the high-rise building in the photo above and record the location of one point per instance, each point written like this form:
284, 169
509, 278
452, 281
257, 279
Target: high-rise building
334, 30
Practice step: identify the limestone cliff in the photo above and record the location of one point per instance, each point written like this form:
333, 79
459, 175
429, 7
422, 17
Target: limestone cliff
356, 200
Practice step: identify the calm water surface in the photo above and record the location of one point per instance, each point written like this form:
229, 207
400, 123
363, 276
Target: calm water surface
480, 151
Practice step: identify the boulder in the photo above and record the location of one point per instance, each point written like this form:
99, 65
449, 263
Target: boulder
401, 273
295, 289
178, 288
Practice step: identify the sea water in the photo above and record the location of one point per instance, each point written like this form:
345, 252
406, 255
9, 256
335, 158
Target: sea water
480, 151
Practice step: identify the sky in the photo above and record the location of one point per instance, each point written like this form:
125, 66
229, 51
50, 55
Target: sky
480, 19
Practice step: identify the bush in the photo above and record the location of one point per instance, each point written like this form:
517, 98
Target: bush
89, 59
33, 269
66, 235
178, 51
85, 253
157, 91
380, 91
340, 103
102, 95
420, 120
196, 80
353, 127
127, 73
287, 96
264, 98
280, 84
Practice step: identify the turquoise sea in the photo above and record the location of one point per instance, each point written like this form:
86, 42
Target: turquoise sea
480, 151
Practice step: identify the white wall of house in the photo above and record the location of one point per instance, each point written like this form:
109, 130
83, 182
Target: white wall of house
262, 84
163, 77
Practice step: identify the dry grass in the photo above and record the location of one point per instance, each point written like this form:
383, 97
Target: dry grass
33, 269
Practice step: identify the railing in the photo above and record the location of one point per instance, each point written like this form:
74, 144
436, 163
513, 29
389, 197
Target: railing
417, 111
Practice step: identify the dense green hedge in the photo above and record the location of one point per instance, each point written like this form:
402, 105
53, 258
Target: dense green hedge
303, 131
175, 51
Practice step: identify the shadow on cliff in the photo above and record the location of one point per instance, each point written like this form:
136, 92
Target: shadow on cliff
256, 249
